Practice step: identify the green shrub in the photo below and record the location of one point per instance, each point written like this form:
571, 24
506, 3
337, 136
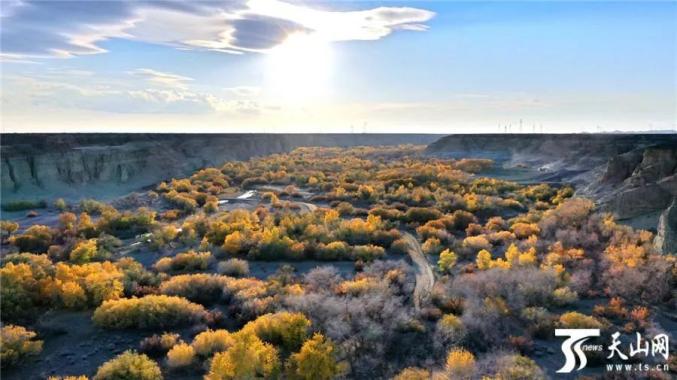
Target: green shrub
127, 366
22, 205
152, 311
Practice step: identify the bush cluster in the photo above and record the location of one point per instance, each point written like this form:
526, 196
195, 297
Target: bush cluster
149, 312
17, 342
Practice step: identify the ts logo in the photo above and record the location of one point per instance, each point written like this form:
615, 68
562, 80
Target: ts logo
573, 345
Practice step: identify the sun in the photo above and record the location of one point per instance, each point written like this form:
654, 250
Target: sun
300, 68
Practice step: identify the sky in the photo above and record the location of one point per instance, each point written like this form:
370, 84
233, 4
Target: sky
309, 66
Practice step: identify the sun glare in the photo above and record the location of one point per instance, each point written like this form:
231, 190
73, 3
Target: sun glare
300, 68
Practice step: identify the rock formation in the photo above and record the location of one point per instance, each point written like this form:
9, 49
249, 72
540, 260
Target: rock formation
666, 238
633, 176
105, 166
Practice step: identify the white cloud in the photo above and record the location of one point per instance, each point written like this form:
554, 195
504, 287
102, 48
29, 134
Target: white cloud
31, 92
161, 78
34, 28
371, 24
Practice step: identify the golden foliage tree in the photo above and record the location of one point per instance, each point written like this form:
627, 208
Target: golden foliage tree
315, 360
248, 358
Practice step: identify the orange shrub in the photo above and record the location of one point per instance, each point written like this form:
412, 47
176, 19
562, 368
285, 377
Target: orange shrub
460, 363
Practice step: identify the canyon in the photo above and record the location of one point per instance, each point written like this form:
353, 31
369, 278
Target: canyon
632, 176
104, 166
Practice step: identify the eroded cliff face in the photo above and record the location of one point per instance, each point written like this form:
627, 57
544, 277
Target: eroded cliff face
638, 182
666, 238
75, 166
633, 176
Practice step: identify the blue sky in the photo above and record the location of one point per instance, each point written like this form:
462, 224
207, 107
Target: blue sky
271, 66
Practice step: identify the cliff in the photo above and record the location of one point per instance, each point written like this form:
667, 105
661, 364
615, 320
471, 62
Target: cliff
633, 176
104, 166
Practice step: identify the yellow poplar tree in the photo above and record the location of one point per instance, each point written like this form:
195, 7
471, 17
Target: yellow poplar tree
315, 361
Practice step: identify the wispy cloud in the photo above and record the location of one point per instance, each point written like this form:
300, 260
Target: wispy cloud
34, 28
161, 78
123, 98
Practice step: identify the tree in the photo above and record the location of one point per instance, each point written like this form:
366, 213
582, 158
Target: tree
483, 259
248, 358
447, 260
315, 360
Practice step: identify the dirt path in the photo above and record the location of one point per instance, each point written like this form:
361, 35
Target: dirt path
425, 279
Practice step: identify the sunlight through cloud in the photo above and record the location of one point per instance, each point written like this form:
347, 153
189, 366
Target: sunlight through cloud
300, 68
